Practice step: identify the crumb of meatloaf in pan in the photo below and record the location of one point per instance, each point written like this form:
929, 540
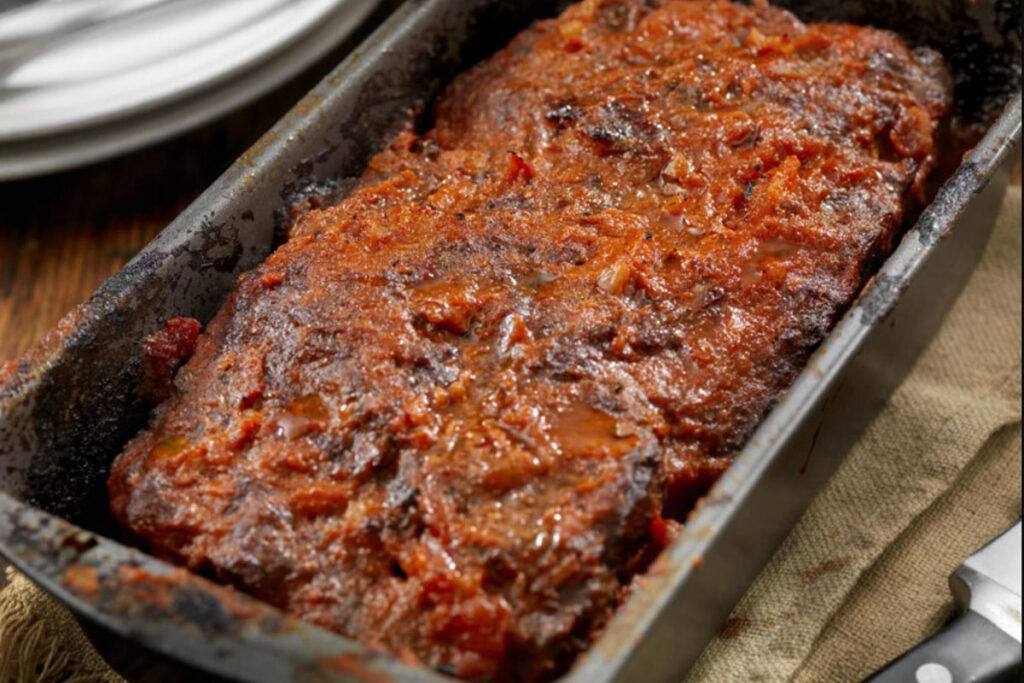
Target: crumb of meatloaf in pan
456, 412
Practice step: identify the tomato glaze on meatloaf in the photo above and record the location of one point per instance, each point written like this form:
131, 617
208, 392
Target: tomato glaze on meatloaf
455, 413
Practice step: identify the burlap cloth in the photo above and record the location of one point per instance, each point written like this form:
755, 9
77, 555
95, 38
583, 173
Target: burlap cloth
863, 575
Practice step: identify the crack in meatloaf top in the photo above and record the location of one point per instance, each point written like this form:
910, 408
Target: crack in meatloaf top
451, 415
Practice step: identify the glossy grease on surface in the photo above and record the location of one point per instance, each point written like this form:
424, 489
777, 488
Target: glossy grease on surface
451, 415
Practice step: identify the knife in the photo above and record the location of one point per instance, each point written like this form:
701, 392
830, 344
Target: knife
983, 644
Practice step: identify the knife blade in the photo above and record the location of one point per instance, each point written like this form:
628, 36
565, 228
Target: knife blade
983, 644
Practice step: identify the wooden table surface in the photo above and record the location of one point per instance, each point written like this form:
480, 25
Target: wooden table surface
62, 236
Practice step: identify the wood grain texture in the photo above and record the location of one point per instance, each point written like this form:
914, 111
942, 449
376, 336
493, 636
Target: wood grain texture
52, 258
62, 236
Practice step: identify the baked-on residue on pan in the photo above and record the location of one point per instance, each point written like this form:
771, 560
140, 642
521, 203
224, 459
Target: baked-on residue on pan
457, 412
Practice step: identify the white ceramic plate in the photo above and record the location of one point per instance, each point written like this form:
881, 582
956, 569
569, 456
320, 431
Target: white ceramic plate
149, 59
30, 156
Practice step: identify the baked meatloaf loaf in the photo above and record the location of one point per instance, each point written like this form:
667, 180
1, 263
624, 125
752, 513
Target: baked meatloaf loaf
452, 414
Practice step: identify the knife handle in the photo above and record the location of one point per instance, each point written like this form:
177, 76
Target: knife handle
969, 650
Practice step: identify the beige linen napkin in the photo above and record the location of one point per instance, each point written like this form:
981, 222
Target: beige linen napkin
40, 639
862, 577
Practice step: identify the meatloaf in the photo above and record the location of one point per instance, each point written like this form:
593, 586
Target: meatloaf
457, 411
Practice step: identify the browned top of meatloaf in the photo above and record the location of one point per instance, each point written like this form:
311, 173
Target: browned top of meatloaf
450, 416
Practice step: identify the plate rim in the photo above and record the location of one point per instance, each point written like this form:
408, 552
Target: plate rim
27, 158
171, 97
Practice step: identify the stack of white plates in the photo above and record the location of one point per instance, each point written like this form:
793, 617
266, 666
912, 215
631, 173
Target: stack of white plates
81, 80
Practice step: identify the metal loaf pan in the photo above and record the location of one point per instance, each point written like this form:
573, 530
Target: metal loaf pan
70, 405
